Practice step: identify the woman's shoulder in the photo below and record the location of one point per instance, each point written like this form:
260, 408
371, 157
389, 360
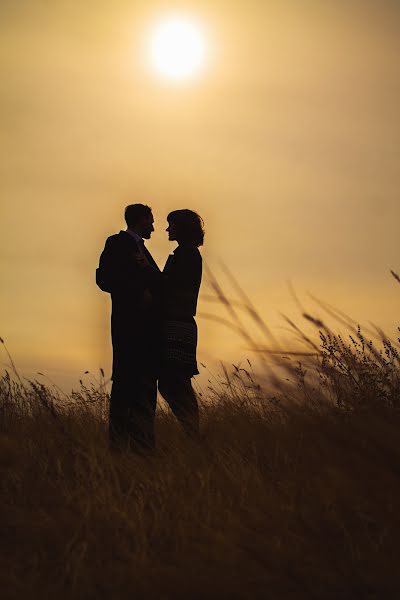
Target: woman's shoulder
189, 252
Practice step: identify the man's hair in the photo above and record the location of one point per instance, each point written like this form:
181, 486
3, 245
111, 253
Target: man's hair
189, 226
135, 212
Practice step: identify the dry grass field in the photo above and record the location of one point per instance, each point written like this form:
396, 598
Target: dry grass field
293, 492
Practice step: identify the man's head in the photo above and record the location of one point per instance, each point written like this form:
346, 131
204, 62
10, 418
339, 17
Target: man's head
139, 219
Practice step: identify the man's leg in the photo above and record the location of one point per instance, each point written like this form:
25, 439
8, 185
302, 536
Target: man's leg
177, 391
119, 414
142, 413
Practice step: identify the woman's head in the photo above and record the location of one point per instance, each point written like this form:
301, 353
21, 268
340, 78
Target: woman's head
186, 227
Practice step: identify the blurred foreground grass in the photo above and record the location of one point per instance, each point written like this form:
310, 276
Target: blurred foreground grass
293, 492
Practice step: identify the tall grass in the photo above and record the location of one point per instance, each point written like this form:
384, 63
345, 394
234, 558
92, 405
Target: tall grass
293, 491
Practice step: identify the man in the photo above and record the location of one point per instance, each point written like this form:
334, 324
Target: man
129, 273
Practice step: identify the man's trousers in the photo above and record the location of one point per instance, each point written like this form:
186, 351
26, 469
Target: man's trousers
132, 412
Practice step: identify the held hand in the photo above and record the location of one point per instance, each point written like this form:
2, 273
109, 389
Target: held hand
147, 298
141, 260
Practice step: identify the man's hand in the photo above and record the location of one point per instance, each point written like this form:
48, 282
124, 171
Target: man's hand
141, 260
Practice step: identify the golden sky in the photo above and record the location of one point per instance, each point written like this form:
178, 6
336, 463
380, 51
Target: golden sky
287, 143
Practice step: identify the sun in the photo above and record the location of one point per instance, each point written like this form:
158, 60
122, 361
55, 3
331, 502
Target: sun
177, 48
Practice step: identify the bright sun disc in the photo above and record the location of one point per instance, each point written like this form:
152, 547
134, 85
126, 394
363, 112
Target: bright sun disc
177, 48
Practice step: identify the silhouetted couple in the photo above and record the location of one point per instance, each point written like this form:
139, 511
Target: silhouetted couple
154, 333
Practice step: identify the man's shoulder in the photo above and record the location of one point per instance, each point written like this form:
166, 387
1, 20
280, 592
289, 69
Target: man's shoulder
120, 239
112, 239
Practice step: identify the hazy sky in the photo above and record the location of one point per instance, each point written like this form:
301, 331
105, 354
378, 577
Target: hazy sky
287, 143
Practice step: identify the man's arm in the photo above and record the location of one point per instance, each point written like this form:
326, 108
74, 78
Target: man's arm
107, 274
117, 272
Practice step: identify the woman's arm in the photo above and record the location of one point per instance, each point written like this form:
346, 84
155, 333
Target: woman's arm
182, 282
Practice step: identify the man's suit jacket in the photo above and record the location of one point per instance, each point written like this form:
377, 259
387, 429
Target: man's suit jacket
135, 326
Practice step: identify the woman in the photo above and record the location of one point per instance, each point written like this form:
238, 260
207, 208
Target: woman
182, 278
